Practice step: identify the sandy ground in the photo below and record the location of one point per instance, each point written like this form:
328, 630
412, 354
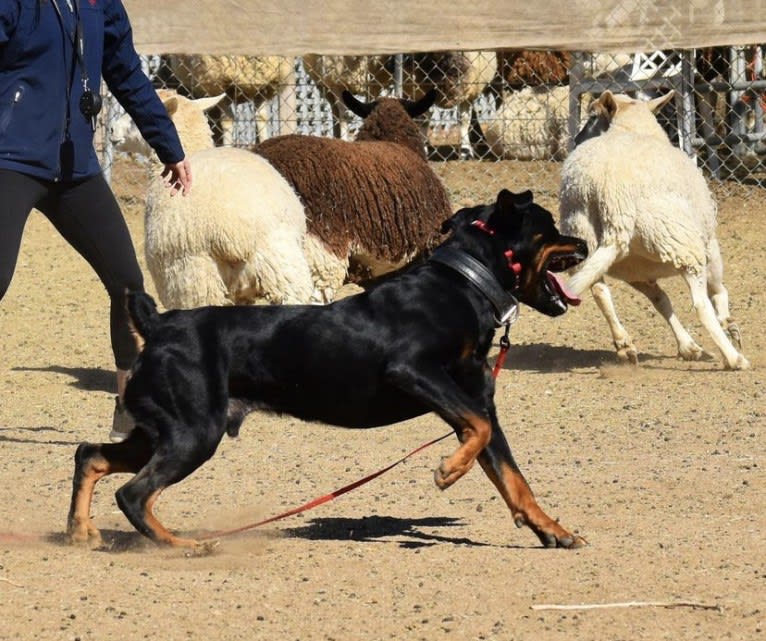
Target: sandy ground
661, 467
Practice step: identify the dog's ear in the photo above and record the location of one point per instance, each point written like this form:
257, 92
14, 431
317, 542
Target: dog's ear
509, 210
461, 218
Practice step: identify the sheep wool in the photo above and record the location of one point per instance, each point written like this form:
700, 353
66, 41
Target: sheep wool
237, 237
375, 201
646, 213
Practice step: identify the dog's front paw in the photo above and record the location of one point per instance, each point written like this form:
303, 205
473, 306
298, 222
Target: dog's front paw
446, 474
568, 542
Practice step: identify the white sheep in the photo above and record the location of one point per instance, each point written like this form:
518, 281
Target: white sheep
237, 237
241, 78
646, 212
530, 124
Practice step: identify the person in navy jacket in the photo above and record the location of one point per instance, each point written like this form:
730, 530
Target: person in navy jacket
53, 54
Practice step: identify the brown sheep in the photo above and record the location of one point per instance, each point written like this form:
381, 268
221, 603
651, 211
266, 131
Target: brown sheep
374, 202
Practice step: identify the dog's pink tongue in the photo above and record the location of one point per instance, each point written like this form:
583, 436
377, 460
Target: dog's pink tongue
560, 286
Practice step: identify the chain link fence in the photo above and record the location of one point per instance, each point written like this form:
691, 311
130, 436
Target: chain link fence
492, 108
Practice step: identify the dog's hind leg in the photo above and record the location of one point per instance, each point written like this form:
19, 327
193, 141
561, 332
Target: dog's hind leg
172, 461
704, 307
687, 347
93, 462
497, 462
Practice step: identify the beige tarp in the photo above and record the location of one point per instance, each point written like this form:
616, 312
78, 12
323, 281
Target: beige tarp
296, 27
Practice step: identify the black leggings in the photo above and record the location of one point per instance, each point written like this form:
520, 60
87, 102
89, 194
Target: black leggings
87, 215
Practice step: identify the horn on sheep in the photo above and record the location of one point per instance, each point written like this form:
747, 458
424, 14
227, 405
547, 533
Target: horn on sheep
419, 107
660, 101
357, 106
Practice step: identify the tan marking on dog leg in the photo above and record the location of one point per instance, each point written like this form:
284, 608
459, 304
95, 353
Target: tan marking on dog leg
474, 438
161, 533
80, 528
518, 496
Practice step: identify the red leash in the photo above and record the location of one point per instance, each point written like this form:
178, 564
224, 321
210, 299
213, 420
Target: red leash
505, 344
327, 497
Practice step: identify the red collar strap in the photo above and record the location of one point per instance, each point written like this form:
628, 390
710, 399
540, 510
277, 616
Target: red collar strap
515, 267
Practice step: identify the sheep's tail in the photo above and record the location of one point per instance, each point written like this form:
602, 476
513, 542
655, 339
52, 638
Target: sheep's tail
143, 316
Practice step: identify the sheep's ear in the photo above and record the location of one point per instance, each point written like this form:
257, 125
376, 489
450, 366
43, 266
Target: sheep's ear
203, 104
608, 104
658, 103
171, 104
418, 108
357, 106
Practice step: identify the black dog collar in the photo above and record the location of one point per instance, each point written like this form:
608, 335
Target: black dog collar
505, 304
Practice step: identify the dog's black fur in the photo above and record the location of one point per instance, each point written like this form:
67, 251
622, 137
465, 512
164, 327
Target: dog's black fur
415, 343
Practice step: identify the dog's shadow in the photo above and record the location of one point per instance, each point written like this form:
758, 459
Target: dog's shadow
408, 533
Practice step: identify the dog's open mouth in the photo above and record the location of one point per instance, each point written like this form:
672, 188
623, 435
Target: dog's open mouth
556, 285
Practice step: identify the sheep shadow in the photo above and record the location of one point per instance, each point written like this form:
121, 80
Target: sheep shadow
543, 357
88, 379
546, 358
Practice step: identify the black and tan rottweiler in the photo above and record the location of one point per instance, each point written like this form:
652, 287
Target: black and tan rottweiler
412, 344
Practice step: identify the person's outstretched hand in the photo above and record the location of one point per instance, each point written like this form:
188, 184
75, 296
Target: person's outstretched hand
178, 177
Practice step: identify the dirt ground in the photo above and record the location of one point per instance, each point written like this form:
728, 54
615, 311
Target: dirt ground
661, 467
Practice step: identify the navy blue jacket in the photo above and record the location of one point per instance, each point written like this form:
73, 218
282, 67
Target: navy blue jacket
42, 131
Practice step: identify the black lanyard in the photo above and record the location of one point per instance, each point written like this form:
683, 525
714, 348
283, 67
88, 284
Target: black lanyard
77, 40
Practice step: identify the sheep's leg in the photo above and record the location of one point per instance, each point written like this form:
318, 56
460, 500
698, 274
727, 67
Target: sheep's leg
623, 343
464, 113
263, 120
718, 294
687, 348
592, 269
279, 272
188, 281
704, 307
590, 274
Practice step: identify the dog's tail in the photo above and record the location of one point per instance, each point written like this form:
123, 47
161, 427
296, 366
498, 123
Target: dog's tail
143, 316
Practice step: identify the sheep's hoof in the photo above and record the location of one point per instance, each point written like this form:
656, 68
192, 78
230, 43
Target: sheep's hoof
739, 364
627, 353
733, 331
690, 352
